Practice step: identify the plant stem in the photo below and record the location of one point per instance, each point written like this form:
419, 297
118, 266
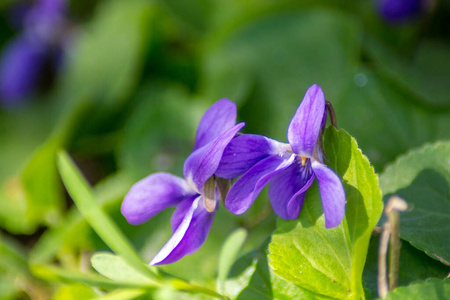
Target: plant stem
382, 253
390, 235
331, 113
398, 204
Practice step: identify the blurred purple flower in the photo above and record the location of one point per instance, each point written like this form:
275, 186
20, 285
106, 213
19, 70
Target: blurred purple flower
399, 11
20, 66
24, 59
290, 168
197, 196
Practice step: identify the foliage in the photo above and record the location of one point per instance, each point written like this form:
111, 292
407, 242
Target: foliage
126, 100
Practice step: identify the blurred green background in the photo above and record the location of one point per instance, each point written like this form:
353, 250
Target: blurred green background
138, 76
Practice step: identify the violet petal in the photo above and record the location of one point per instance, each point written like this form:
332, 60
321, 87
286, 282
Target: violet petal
246, 189
220, 117
244, 151
332, 194
305, 126
181, 211
398, 11
203, 162
46, 19
287, 190
20, 65
153, 194
189, 235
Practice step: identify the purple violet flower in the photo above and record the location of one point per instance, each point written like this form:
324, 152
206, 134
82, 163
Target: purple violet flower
21, 64
399, 11
40, 44
197, 196
290, 168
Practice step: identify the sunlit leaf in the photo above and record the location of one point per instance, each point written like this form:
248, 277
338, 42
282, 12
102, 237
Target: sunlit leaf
57, 274
82, 195
74, 292
123, 294
53, 240
115, 268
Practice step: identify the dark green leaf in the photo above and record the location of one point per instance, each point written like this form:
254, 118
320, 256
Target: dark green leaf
433, 289
414, 266
426, 74
382, 118
422, 178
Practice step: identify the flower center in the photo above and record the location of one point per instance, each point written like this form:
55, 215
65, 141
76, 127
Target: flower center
304, 161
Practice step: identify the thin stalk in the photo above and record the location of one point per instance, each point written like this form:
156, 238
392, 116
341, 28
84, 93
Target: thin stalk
332, 114
390, 235
383, 286
394, 250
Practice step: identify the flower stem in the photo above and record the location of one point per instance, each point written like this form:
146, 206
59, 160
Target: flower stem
390, 235
331, 113
395, 243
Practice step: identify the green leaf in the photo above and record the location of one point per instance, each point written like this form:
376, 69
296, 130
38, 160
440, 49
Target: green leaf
14, 273
414, 266
425, 75
83, 197
433, 289
109, 54
115, 268
8, 290
395, 124
111, 189
20, 137
57, 274
228, 254
12, 256
252, 278
103, 225
42, 186
330, 262
75, 291
422, 178
123, 294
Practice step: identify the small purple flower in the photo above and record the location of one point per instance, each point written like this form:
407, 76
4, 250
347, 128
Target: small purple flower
197, 196
21, 64
40, 44
290, 168
399, 11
